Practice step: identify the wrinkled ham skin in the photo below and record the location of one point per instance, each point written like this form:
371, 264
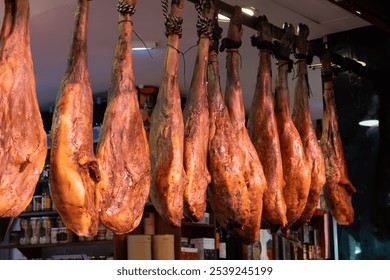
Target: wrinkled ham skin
23, 144
314, 156
166, 138
123, 151
256, 182
228, 193
296, 172
263, 132
338, 189
196, 133
74, 170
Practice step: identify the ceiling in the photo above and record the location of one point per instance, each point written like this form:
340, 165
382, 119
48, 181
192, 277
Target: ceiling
51, 25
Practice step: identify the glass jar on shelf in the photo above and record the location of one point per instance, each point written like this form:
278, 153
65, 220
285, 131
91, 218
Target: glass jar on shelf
46, 225
25, 231
35, 223
46, 201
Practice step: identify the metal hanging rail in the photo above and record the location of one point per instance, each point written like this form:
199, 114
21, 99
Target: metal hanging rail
316, 46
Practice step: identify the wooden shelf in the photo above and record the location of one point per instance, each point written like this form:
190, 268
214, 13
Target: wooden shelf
38, 213
200, 225
43, 181
80, 243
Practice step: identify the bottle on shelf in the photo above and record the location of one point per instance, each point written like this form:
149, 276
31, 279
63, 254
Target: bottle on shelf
222, 255
233, 247
46, 201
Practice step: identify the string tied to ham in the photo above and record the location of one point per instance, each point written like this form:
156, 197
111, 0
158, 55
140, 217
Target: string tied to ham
280, 55
231, 45
184, 58
125, 8
173, 24
262, 45
130, 9
308, 58
203, 23
216, 36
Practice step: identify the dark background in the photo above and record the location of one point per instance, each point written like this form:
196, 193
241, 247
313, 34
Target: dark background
366, 148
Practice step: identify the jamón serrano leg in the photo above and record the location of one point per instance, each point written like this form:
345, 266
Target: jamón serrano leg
168, 178
303, 122
338, 189
263, 131
228, 194
296, 173
256, 182
196, 128
123, 151
73, 167
23, 145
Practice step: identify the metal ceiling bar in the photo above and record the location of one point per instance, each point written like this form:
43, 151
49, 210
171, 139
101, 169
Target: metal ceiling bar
316, 46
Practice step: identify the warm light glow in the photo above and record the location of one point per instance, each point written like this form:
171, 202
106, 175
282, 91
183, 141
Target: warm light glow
362, 63
248, 10
369, 123
139, 46
222, 18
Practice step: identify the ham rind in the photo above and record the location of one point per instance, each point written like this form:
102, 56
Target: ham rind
23, 145
123, 151
264, 134
166, 138
196, 132
74, 170
338, 189
256, 182
296, 172
303, 123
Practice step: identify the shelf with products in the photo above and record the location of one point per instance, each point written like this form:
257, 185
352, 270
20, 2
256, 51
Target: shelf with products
66, 244
42, 233
182, 236
304, 242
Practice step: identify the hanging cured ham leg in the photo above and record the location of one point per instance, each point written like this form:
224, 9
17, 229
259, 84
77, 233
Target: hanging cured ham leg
338, 189
229, 196
168, 178
74, 170
256, 182
123, 151
296, 173
23, 145
303, 123
196, 125
263, 131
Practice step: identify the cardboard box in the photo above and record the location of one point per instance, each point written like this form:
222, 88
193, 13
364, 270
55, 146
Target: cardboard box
189, 253
206, 248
